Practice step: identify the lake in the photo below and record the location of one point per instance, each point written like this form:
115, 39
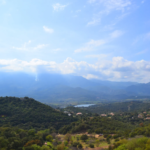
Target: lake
84, 105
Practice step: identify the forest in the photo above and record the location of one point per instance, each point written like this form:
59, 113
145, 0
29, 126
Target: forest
27, 113
26, 124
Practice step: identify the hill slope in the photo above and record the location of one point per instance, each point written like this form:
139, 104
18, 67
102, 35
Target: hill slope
27, 113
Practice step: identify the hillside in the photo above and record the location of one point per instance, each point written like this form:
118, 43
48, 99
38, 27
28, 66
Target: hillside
128, 106
97, 125
27, 113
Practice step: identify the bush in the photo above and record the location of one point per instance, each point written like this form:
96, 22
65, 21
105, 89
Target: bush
91, 145
60, 147
49, 138
80, 145
84, 137
66, 143
68, 137
75, 144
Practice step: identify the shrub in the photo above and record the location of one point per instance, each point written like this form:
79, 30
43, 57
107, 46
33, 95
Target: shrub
75, 144
60, 147
80, 145
68, 137
84, 137
37, 142
91, 145
49, 138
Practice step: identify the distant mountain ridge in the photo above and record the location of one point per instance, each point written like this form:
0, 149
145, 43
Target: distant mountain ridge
140, 89
56, 87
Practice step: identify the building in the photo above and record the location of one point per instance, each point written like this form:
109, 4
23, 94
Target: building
140, 116
69, 115
112, 114
79, 113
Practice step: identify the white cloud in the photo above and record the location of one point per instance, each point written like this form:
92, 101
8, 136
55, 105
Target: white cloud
94, 21
48, 30
58, 7
91, 76
96, 56
142, 52
108, 6
26, 47
39, 46
118, 69
113, 4
143, 37
91, 45
116, 34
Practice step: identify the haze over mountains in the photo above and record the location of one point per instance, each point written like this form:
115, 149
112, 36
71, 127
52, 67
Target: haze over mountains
56, 87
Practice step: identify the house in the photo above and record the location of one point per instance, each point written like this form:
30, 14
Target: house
140, 116
112, 114
65, 112
69, 115
103, 115
79, 113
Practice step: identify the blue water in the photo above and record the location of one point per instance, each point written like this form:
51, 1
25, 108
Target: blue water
84, 105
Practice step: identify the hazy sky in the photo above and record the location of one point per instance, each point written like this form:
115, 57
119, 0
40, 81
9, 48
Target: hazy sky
104, 39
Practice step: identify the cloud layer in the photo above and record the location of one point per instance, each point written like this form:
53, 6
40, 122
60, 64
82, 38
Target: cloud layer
118, 69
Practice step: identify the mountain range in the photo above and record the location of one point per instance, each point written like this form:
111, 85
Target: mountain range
56, 87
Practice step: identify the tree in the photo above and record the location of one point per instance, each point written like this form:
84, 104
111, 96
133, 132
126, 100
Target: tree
49, 138
3, 142
68, 137
91, 145
44, 147
31, 132
36, 147
121, 147
84, 137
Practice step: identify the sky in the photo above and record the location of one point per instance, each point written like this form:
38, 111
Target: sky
100, 39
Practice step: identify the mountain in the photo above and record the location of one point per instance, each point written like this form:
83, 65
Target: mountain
140, 89
47, 87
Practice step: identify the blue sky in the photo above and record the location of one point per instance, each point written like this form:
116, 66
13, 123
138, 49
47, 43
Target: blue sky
103, 39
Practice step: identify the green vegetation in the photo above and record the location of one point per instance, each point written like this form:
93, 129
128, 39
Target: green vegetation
27, 113
129, 106
26, 124
96, 125
142, 143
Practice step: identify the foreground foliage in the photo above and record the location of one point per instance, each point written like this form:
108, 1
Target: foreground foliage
132, 144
